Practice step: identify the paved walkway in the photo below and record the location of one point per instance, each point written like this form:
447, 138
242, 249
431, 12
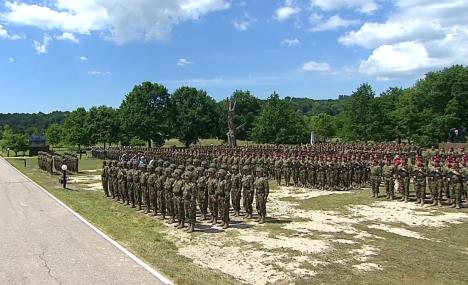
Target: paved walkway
41, 242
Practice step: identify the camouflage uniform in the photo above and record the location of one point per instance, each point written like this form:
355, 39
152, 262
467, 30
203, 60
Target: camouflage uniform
262, 191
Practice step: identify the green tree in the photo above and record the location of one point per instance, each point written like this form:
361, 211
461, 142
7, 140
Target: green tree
76, 129
7, 137
278, 123
357, 116
194, 114
20, 143
323, 126
104, 124
54, 134
145, 113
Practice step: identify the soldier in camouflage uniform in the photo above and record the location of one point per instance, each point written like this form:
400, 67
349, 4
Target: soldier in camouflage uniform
144, 194
136, 186
278, 170
248, 192
202, 195
455, 179
122, 177
389, 174
159, 185
189, 191
375, 177
287, 170
130, 185
105, 178
152, 191
404, 174
211, 186
262, 191
168, 193
419, 176
178, 199
221, 189
436, 176
236, 190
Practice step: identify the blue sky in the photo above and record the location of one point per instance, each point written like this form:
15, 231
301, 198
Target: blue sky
62, 54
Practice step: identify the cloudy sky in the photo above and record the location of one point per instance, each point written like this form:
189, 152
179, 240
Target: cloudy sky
61, 54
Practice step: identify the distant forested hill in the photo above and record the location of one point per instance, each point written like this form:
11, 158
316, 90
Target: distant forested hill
32, 123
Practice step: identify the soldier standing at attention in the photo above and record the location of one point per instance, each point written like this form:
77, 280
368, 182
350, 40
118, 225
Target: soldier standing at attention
404, 173
211, 186
152, 199
105, 178
389, 172
190, 201
178, 199
221, 197
144, 194
436, 177
419, 177
247, 192
456, 185
168, 194
130, 185
160, 191
278, 170
201, 194
262, 191
122, 176
136, 185
110, 179
235, 190
375, 176
115, 181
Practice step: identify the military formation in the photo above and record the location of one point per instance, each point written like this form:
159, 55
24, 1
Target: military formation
438, 176
176, 189
52, 161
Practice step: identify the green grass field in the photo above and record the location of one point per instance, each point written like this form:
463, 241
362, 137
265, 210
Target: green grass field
441, 260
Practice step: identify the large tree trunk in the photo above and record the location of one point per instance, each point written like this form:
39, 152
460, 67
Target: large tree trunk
79, 150
149, 143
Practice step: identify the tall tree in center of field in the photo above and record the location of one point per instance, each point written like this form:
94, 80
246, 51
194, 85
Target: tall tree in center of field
194, 115
145, 113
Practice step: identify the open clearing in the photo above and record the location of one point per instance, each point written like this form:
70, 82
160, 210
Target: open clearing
316, 237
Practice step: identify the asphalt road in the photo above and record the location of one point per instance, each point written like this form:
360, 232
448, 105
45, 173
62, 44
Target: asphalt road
41, 242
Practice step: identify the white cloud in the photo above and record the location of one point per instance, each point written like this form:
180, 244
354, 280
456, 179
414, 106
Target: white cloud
119, 20
417, 37
97, 72
5, 35
287, 11
333, 23
316, 66
41, 47
11, 60
67, 36
83, 58
290, 42
244, 23
183, 62
241, 25
362, 6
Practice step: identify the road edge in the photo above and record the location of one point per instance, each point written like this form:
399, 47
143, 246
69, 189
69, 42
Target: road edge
98, 231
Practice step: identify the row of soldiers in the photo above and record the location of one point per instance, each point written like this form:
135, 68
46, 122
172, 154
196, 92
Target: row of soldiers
176, 191
447, 180
52, 161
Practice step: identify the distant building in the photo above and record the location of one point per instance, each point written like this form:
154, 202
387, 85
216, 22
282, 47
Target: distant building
36, 144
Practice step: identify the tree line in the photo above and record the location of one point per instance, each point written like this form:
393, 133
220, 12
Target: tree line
149, 115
